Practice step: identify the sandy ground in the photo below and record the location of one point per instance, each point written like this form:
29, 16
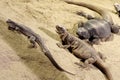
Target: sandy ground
11, 67
18, 62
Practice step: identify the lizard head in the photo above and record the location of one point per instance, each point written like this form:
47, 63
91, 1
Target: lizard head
60, 30
11, 25
115, 28
83, 33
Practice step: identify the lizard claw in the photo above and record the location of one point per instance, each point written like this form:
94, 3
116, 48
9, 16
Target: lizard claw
86, 67
32, 46
80, 64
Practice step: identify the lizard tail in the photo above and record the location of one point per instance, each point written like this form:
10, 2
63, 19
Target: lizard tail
100, 64
106, 16
48, 54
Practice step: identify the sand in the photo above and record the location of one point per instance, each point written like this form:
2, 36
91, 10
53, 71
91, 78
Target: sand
18, 62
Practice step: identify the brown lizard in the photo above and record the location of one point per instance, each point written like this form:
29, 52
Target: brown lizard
95, 29
82, 50
34, 38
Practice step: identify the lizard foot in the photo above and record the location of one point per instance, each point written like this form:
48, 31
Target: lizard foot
88, 67
110, 38
62, 46
32, 46
80, 64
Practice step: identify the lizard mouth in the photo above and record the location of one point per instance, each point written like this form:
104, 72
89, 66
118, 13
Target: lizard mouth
9, 21
10, 24
57, 31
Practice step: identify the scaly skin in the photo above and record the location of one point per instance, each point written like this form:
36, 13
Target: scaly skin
117, 8
82, 50
102, 12
95, 29
34, 38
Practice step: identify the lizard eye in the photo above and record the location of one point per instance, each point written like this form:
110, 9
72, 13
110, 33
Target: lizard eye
10, 28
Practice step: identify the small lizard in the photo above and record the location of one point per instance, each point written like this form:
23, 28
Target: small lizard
95, 29
82, 50
34, 38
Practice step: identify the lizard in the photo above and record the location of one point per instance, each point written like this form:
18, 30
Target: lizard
82, 50
95, 29
34, 38
117, 8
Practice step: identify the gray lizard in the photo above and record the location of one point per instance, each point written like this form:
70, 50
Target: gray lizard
95, 29
34, 38
82, 50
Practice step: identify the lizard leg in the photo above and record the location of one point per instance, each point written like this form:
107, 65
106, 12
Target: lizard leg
110, 38
88, 62
32, 41
62, 46
101, 56
80, 64
85, 15
18, 30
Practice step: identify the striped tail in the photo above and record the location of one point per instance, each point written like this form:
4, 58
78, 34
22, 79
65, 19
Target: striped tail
100, 64
106, 16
